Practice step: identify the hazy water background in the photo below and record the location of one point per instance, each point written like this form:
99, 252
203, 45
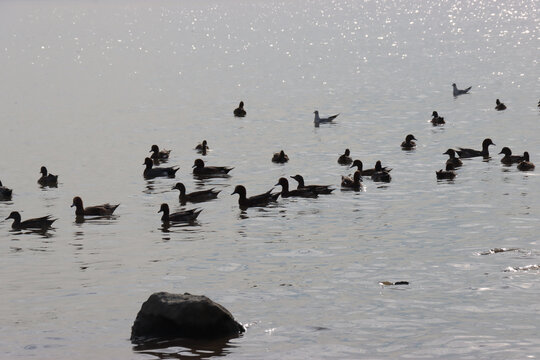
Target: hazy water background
88, 86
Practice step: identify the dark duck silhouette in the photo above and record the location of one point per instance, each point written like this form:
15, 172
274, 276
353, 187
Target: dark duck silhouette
5, 193
366, 172
526, 164
285, 192
47, 179
201, 170
508, 158
447, 174
202, 148
499, 105
345, 158
409, 144
239, 111
469, 153
256, 200
158, 154
354, 183
436, 119
178, 217
97, 210
36, 223
458, 92
151, 172
453, 160
196, 196
380, 174
318, 189
280, 157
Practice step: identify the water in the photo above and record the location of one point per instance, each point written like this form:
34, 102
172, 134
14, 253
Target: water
88, 87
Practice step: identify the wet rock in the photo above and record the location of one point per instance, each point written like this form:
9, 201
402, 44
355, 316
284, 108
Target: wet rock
169, 316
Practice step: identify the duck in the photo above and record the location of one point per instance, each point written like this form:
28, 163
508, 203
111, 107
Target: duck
200, 169
318, 189
436, 119
280, 157
36, 223
469, 153
202, 147
158, 154
5, 193
97, 210
256, 200
345, 159
285, 192
239, 111
177, 217
500, 106
380, 174
409, 144
151, 172
458, 92
453, 160
47, 179
318, 120
196, 196
446, 174
366, 172
508, 158
352, 183
526, 164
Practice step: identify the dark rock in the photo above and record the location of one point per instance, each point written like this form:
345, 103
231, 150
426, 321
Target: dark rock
168, 316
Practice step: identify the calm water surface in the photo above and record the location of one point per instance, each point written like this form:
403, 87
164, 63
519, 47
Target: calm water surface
89, 86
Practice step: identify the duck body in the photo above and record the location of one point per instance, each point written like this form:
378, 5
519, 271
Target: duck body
202, 148
280, 157
256, 200
436, 119
354, 183
200, 169
453, 160
526, 164
36, 223
195, 196
97, 210
47, 179
499, 105
5, 193
285, 192
458, 92
380, 175
469, 153
409, 143
318, 120
318, 189
508, 158
367, 172
447, 174
151, 172
239, 111
178, 217
345, 159
158, 154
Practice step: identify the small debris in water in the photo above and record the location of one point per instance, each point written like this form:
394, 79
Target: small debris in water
389, 283
498, 250
522, 268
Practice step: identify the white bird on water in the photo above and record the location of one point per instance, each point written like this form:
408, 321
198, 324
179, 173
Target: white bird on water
318, 120
460, 92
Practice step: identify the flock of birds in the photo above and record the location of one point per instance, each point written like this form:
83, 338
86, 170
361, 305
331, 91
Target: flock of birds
201, 170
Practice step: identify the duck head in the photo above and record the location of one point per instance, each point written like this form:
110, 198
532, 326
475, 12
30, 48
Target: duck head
240, 190
164, 208
179, 186
409, 138
148, 162
506, 151
77, 202
15, 216
198, 164
43, 171
154, 148
357, 163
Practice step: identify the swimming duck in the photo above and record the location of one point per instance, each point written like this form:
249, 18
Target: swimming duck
446, 174
280, 157
508, 158
285, 192
36, 223
380, 174
47, 179
5, 193
150, 172
468, 153
526, 164
158, 154
202, 147
239, 111
436, 119
318, 120
200, 169
345, 159
453, 160
367, 172
318, 189
196, 196
500, 106
180, 216
354, 183
409, 144
97, 210
460, 92
256, 200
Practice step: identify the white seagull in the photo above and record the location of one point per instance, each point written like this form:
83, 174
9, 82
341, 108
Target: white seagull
460, 92
319, 120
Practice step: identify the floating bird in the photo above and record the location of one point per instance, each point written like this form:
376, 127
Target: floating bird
318, 189
200, 169
460, 92
5, 193
36, 223
158, 154
196, 196
177, 217
380, 174
453, 160
446, 174
318, 120
280, 157
500, 106
526, 164
436, 119
345, 159
150, 172
355, 183
409, 144
285, 192
202, 147
97, 210
239, 111
366, 172
47, 179
468, 153
508, 158
256, 200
